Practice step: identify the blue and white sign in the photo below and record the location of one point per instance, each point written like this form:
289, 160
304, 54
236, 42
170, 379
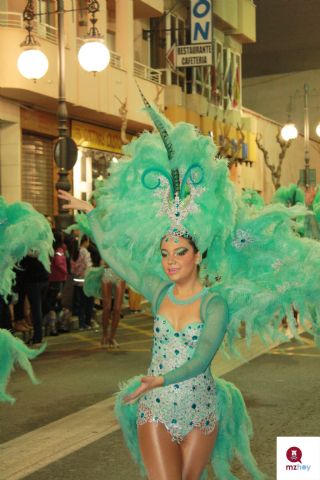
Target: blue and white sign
201, 21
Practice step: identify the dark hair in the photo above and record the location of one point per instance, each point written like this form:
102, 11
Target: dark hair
186, 237
84, 239
58, 239
74, 249
192, 243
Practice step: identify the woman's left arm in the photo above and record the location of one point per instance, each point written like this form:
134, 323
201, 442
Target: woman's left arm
211, 337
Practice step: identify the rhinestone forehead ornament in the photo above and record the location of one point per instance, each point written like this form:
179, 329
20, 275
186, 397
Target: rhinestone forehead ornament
177, 189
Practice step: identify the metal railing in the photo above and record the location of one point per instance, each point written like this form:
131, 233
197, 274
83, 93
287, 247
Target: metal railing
40, 29
147, 73
115, 60
178, 77
11, 20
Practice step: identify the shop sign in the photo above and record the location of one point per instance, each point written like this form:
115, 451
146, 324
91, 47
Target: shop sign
99, 138
194, 55
201, 21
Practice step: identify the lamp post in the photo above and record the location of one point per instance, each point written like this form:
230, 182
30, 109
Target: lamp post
33, 64
306, 136
290, 132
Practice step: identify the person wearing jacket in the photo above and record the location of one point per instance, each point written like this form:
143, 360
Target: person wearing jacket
80, 264
57, 278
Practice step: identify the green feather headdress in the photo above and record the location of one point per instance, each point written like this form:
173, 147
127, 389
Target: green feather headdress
178, 188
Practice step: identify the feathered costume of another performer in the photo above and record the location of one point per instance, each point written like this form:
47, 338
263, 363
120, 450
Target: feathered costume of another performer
173, 183
252, 199
306, 225
22, 230
14, 351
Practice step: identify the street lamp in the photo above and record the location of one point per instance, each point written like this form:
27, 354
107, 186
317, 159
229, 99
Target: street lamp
32, 63
93, 55
290, 132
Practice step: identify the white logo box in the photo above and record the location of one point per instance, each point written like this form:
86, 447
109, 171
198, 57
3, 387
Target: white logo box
308, 468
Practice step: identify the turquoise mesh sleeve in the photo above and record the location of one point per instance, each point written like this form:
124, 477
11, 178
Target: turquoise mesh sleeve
123, 265
212, 334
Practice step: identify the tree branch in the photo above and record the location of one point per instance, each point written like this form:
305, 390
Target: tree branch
123, 112
275, 171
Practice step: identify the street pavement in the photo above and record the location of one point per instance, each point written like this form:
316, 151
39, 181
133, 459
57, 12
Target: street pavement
64, 428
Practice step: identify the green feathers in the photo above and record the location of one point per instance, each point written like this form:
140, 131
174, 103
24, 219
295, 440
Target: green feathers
13, 351
22, 229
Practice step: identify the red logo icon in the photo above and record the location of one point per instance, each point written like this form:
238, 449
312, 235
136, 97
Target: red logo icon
294, 454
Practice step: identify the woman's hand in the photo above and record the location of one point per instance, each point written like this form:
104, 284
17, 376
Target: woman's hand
147, 383
74, 203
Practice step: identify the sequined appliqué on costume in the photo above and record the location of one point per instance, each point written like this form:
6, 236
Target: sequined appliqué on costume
183, 406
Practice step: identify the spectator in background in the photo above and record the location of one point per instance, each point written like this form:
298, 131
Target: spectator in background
57, 278
5, 314
80, 263
94, 253
31, 282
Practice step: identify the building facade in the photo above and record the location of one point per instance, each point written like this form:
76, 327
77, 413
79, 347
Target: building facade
275, 70
105, 109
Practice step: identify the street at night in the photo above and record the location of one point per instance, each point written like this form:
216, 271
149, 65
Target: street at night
64, 428
159, 240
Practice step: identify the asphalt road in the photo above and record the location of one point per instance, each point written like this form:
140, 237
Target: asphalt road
280, 387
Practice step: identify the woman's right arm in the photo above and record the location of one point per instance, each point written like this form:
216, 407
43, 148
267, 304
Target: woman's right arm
120, 263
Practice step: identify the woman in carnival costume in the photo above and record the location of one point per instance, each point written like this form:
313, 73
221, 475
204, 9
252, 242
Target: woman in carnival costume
22, 231
166, 212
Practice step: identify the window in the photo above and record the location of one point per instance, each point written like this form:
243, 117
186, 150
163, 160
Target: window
231, 79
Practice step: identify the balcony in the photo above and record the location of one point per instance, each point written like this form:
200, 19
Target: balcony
236, 18
41, 30
148, 8
147, 73
94, 98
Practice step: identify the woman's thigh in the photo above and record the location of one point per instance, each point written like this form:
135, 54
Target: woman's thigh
196, 449
161, 456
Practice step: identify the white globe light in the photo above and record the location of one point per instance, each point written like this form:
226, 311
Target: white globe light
289, 132
318, 129
94, 56
32, 64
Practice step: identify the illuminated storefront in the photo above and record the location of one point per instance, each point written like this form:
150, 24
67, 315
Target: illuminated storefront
98, 147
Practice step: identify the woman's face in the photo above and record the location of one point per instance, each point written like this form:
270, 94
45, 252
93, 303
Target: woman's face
179, 259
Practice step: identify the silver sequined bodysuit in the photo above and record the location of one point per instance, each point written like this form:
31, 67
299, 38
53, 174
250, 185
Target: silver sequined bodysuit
181, 407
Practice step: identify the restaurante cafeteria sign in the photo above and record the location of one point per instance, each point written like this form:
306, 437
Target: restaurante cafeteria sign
195, 55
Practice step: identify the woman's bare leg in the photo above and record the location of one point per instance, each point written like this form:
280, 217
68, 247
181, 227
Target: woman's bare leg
106, 303
161, 456
118, 299
196, 450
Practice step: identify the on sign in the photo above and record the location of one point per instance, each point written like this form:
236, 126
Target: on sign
201, 21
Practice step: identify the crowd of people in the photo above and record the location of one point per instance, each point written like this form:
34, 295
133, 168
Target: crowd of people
49, 303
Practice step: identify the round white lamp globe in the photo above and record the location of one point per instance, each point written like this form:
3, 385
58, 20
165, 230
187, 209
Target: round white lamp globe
318, 129
289, 132
32, 64
94, 56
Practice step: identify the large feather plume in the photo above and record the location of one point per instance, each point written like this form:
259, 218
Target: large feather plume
22, 229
